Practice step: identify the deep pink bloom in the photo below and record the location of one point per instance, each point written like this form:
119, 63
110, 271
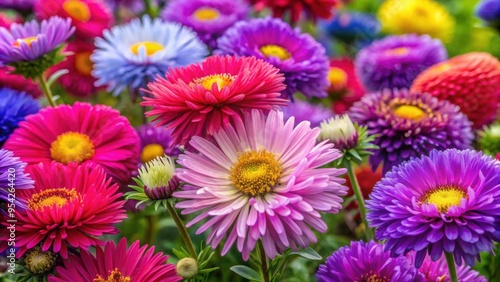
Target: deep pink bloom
83, 133
202, 98
89, 17
261, 179
18, 82
138, 264
69, 205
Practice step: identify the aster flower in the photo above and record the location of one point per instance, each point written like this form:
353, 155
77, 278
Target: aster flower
410, 124
312, 8
12, 165
156, 142
305, 111
14, 107
134, 5
78, 81
202, 98
471, 81
366, 262
395, 61
32, 47
416, 16
24, 5
489, 139
489, 11
71, 204
299, 57
81, 133
350, 26
345, 87
438, 271
89, 17
117, 263
446, 202
261, 179
135, 53
208, 18
18, 82
38, 262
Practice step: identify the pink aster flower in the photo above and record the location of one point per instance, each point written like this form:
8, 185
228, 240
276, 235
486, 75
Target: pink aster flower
261, 179
202, 98
18, 82
89, 17
80, 133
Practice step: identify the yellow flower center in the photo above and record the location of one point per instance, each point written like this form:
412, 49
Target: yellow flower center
51, 197
409, 112
28, 41
256, 172
371, 277
72, 146
151, 47
398, 51
275, 51
151, 151
206, 14
444, 197
77, 10
222, 80
83, 64
114, 276
337, 76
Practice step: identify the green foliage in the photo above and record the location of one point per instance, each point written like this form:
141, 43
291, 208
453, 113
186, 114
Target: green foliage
203, 259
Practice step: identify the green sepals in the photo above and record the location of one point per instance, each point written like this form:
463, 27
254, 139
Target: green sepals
363, 149
24, 275
489, 139
139, 195
204, 257
35, 68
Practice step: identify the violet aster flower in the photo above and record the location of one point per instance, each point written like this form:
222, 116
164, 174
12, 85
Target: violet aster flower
24, 5
489, 10
366, 262
12, 168
261, 179
448, 201
156, 142
299, 57
209, 18
303, 110
395, 61
409, 125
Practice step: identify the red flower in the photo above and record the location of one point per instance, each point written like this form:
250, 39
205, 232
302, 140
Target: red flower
345, 87
471, 81
313, 8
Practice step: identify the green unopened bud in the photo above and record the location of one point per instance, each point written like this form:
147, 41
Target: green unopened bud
340, 131
39, 262
187, 268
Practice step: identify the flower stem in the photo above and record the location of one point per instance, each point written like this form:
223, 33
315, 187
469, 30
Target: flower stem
359, 199
149, 8
263, 261
46, 90
182, 230
451, 266
151, 229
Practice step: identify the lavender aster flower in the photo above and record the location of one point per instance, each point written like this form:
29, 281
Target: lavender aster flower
208, 18
134, 5
14, 107
304, 111
395, 61
410, 124
133, 54
448, 201
12, 168
155, 142
366, 262
299, 57
261, 179
25, 5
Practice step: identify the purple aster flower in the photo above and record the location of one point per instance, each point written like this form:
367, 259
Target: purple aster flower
156, 142
12, 168
17, 4
31, 40
303, 110
409, 125
366, 262
299, 57
208, 18
489, 10
261, 179
395, 61
448, 201
133, 5
437, 271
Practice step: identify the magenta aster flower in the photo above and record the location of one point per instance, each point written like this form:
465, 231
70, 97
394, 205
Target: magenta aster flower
299, 57
448, 201
156, 142
366, 262
409, 125
395, 61
261, 179
208, 18
117, 263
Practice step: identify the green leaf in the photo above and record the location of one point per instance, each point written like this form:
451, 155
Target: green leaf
308, 253
246, 272
56, 75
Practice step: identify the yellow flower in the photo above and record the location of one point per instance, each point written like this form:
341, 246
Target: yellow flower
416, 16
